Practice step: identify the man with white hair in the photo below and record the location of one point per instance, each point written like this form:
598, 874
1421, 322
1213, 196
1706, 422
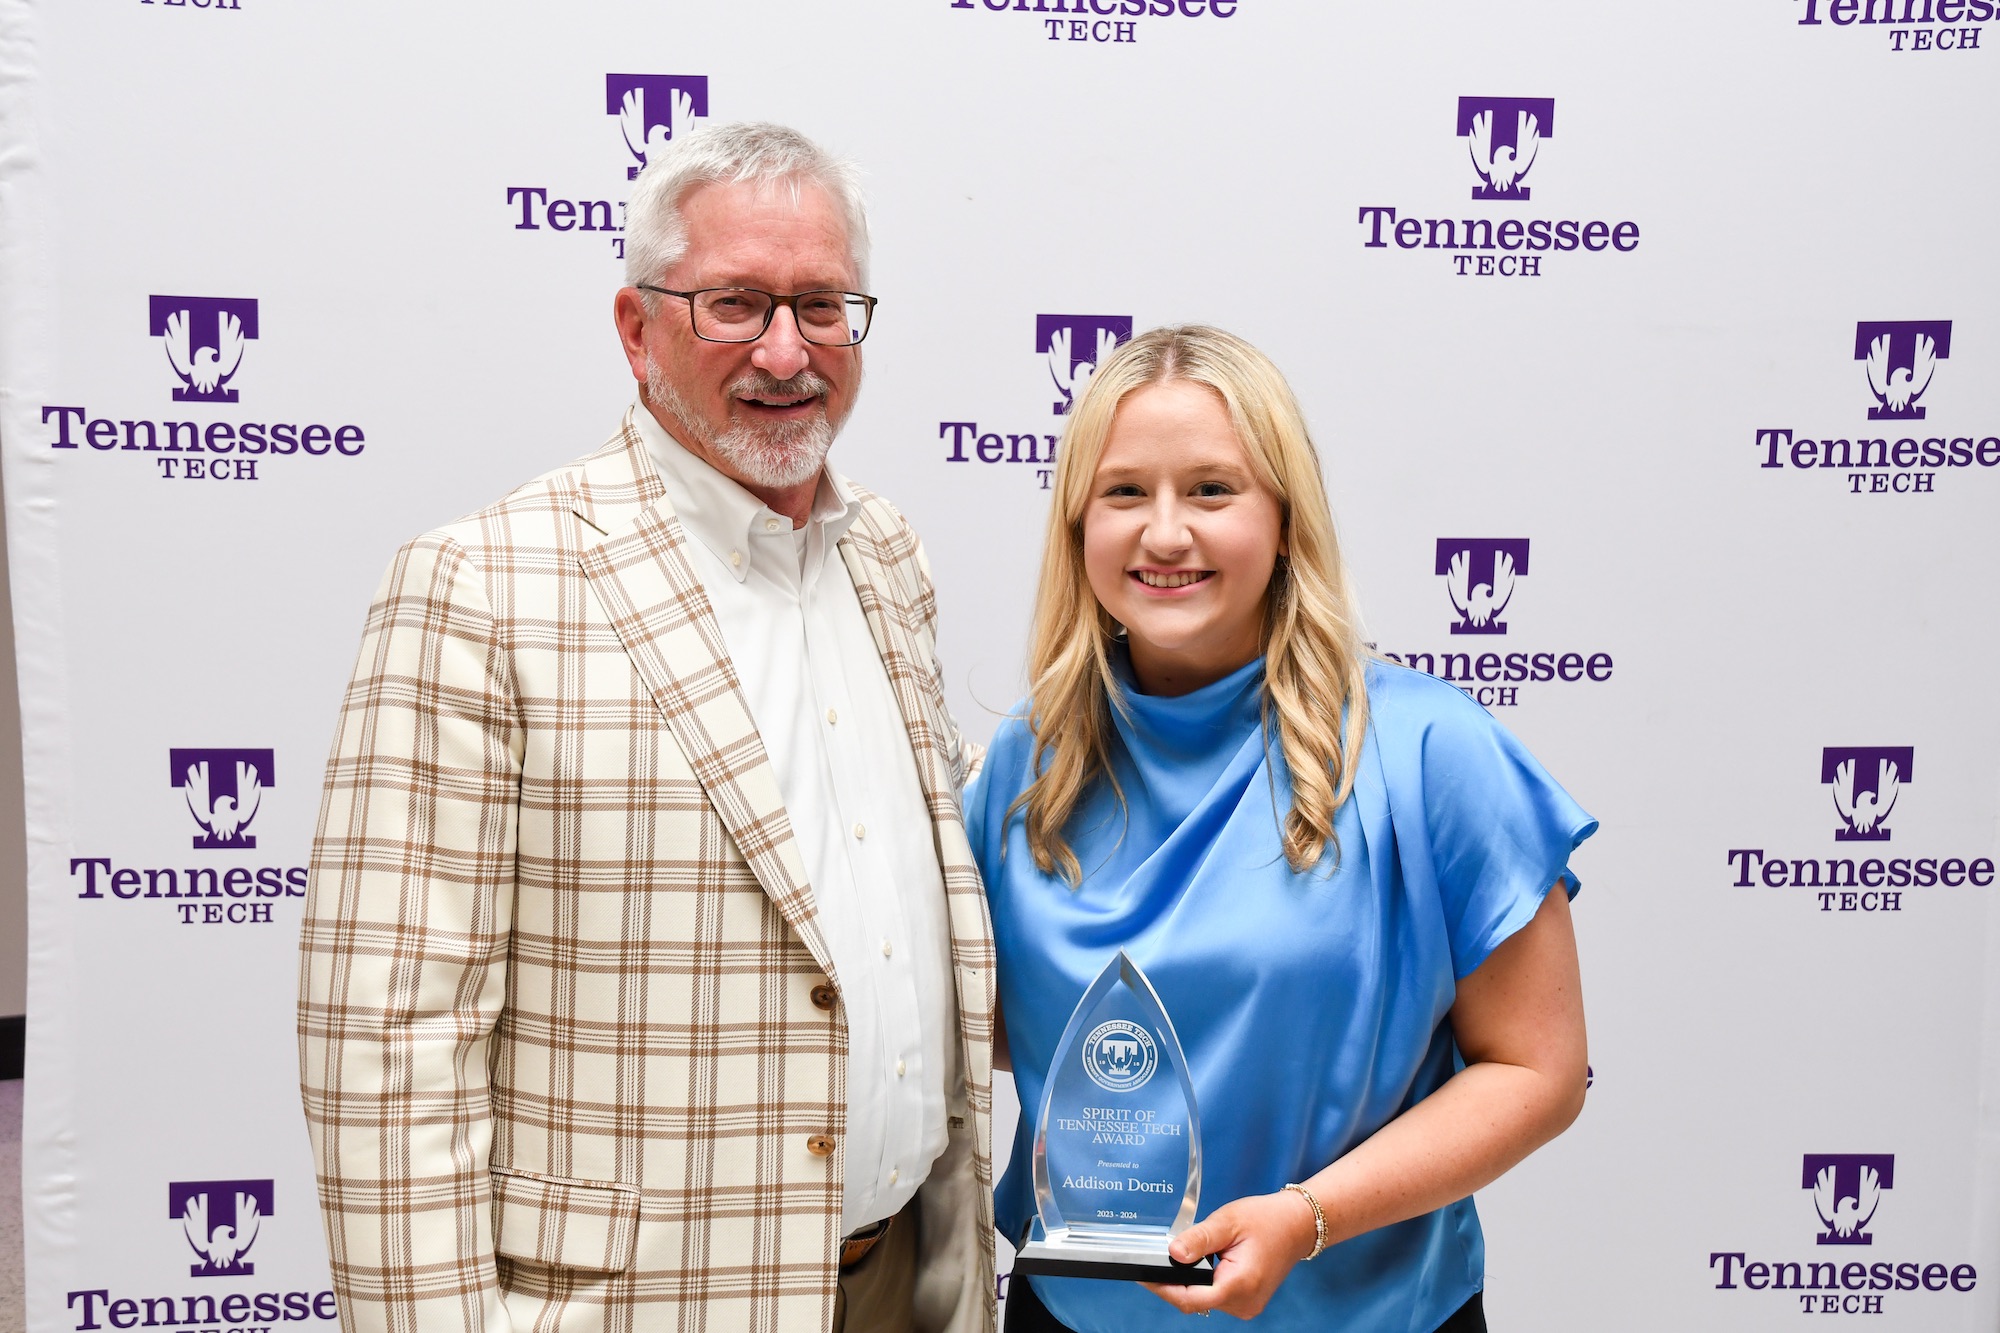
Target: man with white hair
646, 979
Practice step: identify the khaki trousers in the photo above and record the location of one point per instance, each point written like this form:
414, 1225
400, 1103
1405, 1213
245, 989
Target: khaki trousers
878, 1294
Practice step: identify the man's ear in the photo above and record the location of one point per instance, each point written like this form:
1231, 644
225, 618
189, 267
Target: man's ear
628, 312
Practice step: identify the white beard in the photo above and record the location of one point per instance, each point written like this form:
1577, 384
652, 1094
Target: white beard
781, 453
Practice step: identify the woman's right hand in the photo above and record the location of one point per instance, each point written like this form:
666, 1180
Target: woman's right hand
1255, 1241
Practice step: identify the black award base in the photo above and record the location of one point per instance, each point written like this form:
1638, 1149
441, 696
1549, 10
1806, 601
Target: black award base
1142, 1258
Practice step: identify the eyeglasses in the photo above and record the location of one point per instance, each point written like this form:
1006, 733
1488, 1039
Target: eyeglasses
742, 314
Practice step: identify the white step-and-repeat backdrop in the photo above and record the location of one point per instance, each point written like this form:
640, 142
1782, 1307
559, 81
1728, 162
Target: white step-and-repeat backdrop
1679, 323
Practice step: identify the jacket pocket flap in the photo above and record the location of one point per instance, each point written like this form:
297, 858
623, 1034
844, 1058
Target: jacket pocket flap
565, 1223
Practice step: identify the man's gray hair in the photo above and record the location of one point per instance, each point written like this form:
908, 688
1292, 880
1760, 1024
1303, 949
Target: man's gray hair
655, 231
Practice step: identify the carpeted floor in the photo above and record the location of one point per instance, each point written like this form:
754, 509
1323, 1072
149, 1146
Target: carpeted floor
12, 1317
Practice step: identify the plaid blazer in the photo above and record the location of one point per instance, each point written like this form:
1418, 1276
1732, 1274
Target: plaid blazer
563, 1062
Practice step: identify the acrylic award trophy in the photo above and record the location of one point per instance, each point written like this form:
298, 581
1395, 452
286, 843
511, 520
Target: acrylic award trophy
1117, 1151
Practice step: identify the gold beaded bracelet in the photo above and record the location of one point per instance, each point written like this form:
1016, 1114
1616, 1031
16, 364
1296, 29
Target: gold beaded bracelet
1319, 1219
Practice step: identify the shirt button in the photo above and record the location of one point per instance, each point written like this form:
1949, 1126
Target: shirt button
736, 558
820, 1145
860, 831
888, 949
832, 718
901, 1069
770, 525
824, 996
893, 1173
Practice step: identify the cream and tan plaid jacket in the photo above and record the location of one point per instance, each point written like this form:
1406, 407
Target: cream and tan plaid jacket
560, 1052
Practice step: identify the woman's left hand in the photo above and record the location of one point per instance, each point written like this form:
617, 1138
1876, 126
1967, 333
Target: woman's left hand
1255, 1242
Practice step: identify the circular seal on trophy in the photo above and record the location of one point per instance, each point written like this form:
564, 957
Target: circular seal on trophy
1120, 1056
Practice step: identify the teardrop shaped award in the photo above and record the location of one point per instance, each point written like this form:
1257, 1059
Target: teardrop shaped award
1117, 1152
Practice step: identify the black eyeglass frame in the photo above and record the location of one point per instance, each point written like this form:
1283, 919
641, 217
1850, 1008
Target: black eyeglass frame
790, 302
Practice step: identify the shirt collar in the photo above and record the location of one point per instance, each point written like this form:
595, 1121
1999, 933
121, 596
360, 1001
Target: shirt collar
731, 522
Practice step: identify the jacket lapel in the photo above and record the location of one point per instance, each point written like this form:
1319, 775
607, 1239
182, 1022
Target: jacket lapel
882, 564
655, 603
887, 604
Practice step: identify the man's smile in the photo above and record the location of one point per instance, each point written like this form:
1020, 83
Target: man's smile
762, 396
782, 406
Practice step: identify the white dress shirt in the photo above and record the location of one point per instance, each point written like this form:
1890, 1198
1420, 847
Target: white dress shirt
814, 681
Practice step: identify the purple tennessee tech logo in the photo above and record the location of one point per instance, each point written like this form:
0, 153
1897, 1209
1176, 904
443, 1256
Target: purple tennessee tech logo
1902, 354
223, 790
652, 109
1846, 1187
1479, 573
205, 337
221, 1219
1503, 135
1865, 781
1076, 346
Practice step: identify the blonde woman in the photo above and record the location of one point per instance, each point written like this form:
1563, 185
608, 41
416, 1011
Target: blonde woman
1337, 873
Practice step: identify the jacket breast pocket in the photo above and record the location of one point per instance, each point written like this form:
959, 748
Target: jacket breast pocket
565, 1223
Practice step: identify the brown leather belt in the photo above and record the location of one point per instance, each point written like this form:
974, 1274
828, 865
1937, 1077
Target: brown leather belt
863, 1239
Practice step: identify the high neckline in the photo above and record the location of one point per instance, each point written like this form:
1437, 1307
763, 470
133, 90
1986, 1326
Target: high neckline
1180, 744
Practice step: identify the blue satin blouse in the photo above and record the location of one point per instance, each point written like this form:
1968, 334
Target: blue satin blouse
1312, 1008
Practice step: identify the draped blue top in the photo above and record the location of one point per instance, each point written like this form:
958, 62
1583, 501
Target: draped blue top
1311, 1007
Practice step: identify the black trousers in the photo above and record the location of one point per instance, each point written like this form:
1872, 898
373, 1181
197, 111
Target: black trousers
1027, 1314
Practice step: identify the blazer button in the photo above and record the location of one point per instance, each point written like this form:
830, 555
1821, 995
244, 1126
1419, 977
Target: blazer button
819, 1145
824, 996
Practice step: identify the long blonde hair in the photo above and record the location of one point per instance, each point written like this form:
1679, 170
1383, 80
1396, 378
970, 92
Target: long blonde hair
1313, 656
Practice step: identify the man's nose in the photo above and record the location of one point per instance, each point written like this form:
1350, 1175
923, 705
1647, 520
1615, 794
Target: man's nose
781, 352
